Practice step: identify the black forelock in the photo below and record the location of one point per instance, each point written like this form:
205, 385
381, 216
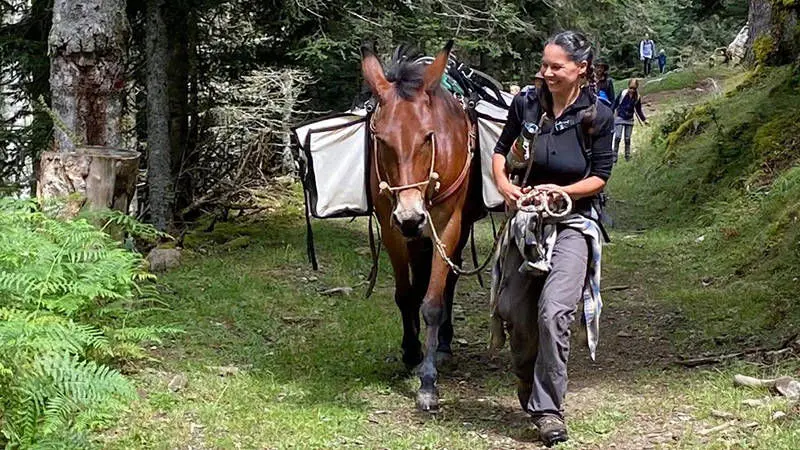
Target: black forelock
404, 73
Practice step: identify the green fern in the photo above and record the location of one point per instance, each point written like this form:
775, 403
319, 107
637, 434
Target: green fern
58, 281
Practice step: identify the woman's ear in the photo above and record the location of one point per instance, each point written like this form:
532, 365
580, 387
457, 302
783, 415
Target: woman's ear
583, 67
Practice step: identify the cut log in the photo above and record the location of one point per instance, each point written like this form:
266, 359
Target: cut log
103, 177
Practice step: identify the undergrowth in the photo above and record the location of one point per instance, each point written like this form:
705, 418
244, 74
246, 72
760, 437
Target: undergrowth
69, 299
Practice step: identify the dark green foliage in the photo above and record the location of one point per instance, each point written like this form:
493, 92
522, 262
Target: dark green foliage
69, 299
505, 39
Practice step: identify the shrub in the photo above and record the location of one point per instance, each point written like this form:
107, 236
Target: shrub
59, 281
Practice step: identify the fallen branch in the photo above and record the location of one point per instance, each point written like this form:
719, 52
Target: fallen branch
624, 287
786, 386
791, 345
717, 428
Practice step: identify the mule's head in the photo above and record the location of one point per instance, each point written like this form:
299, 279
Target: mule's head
403, 127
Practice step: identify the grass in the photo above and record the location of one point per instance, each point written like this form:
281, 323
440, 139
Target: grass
723, 199
324, 372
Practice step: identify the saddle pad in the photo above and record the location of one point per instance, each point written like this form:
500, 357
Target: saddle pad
491, 119
334, 156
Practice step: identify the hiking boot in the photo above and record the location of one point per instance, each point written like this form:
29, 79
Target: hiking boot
552, 430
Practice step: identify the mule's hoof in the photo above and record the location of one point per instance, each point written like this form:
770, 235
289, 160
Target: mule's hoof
443, 357
412, 361
427, 401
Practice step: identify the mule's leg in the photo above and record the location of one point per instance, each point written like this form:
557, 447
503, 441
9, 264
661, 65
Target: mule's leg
404, 296
420, 253
444, 350
434, 313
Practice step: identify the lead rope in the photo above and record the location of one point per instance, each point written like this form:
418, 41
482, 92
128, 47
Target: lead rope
538, 201
541, 205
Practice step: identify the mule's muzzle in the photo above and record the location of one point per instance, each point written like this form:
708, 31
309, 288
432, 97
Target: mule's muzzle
410, 223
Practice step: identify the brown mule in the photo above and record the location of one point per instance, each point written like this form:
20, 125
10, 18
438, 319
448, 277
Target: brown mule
421, 177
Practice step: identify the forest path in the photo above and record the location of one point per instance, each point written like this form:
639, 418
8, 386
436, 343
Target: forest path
275, 360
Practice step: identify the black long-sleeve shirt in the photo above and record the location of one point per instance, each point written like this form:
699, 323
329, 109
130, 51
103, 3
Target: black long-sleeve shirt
558, 156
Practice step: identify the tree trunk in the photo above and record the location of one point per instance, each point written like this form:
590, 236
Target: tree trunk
104, 177
774, 32
190, 156
159, 168
87, 46
178, 93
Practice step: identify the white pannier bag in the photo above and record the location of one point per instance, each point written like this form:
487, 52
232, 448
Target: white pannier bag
334, 157
491, 119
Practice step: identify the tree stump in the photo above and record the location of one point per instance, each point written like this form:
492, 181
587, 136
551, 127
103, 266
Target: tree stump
103, 177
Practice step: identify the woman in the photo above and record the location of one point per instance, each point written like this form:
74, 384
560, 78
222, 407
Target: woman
572, 153
627, 103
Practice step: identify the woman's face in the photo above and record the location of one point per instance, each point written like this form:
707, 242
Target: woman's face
560, 72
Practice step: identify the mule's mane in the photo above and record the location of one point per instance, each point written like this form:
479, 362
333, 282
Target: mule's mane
408, 77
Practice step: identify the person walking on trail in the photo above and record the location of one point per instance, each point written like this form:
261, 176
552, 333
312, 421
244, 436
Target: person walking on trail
647, 51
627, 103
570, 140
604, 83
662, 61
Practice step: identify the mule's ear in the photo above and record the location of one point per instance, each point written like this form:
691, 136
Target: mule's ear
434, 72
372, 70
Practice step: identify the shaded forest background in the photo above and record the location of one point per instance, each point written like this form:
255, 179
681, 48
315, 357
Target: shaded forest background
240, 73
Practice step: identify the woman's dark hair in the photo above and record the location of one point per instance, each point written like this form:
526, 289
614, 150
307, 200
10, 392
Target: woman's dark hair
578, 48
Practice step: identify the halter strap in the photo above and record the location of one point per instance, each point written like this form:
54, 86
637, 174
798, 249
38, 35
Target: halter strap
433, 176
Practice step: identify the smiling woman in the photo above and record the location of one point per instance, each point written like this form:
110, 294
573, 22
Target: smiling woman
567, 136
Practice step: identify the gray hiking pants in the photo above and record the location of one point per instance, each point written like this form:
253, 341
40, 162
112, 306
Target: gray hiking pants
539, 311
621, 129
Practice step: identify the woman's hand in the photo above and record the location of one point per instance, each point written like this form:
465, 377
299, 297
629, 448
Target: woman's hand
511, 192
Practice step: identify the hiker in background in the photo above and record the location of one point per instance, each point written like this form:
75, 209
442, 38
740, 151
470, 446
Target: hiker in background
647, 51
627, 103
513, 89
604, 84
662, 61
